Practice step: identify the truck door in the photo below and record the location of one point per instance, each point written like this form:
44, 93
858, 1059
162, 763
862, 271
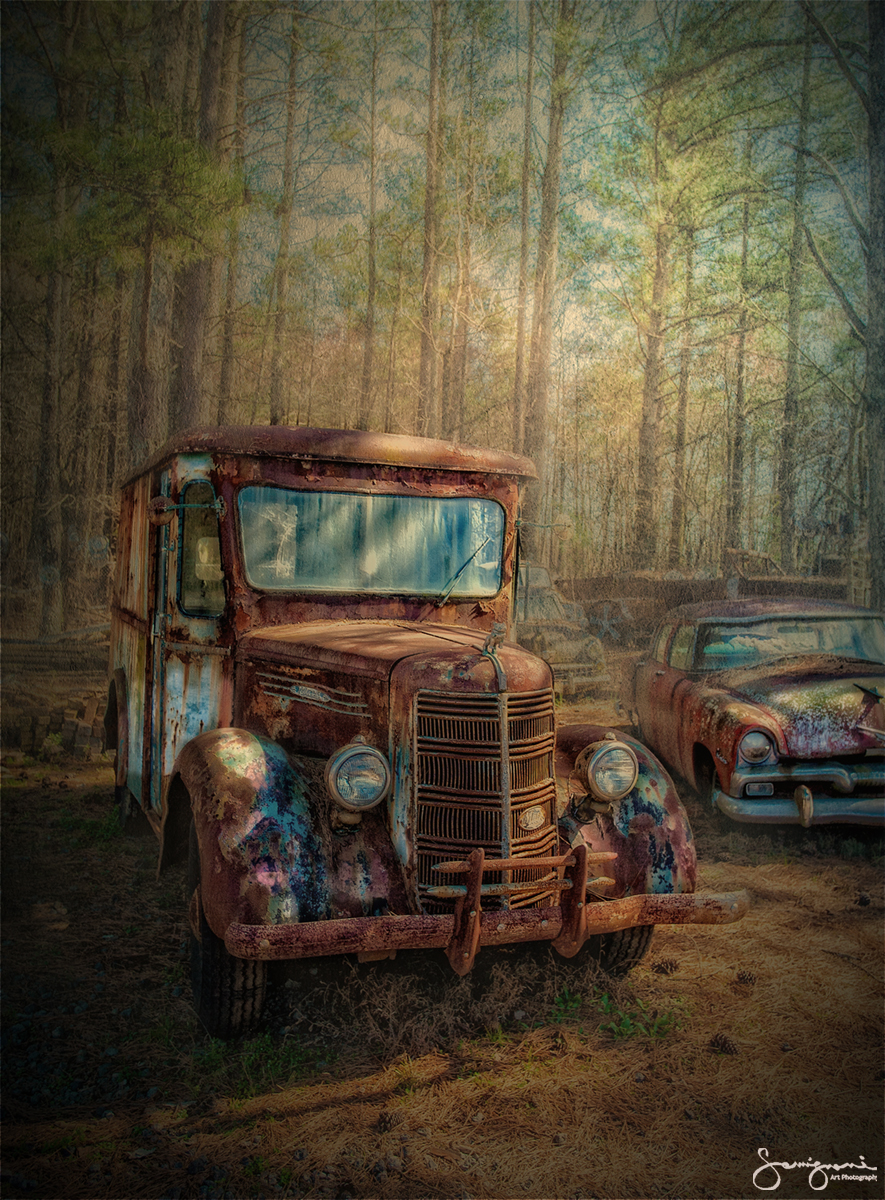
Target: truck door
187, 662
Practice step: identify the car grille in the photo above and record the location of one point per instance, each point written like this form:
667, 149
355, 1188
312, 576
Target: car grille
482, 761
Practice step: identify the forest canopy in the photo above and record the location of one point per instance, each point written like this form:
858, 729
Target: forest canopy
641, 243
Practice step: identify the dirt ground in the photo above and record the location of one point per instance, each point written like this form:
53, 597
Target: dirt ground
727, 1049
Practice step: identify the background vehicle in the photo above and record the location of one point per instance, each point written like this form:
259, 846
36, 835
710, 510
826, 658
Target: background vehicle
772, 709
313, 698
558, 631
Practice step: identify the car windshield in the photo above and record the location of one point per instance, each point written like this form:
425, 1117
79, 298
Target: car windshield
739, 645
347, 542
540, 605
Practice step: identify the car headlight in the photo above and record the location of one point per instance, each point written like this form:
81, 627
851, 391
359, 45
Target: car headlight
358, 776
756, 747
611, 769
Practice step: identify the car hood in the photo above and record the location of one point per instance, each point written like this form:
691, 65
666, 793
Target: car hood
823, 704
442, 655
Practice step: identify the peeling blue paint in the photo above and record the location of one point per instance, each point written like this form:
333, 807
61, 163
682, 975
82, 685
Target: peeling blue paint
274, 837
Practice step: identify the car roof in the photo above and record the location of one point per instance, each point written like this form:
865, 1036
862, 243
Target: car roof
341, 445
760, 608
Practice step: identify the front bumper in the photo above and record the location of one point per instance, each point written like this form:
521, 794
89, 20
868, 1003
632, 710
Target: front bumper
809, 793
461, 933
825, 810
354, 935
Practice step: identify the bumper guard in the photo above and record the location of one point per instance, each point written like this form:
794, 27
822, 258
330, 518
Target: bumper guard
567, 925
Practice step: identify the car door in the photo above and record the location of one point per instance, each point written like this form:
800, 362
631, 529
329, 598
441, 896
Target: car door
646, 685
189, 666
672, 686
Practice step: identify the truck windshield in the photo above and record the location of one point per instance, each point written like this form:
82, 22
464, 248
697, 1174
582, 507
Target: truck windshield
346, 542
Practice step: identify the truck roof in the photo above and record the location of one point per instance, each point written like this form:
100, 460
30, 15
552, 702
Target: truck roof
341, 445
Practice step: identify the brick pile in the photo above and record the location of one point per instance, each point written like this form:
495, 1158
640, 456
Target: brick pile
42, 732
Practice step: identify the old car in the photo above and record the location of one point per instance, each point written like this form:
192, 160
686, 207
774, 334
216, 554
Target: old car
558, 631
771, 709
315, 704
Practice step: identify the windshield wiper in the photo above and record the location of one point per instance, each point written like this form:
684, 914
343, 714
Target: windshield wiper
445, 594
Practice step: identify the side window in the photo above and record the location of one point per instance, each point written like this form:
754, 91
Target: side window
660, 644
682, 647
200, 578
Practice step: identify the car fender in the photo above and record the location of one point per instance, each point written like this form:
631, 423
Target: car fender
261, 859
648, 828
269, 854
721, 721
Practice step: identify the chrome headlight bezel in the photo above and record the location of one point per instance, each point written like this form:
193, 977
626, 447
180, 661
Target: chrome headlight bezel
757, 747
346, 761
594, 763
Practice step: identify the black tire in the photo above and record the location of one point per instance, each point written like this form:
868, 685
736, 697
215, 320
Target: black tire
228, 992
130, 815
619, 952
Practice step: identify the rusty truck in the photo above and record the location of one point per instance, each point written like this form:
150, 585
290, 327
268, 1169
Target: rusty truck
314, 702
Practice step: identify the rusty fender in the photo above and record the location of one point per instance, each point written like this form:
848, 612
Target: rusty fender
261, 861
648, 829
386, 933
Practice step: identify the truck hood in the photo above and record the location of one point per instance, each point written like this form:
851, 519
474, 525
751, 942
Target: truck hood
823, 704
445, 656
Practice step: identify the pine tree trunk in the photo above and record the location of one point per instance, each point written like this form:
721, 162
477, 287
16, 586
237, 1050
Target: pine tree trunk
278, 401
735, 500
787, 484
519, 383
199, 296
644, 531
428, 390
874, 391
677, 516
365, 417
545, 273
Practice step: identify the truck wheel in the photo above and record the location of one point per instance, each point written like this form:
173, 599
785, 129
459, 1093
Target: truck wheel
228, 992
619, 952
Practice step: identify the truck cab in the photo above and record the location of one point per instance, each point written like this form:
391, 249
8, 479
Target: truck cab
315, 701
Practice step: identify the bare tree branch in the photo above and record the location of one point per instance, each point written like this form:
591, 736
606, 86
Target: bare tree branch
841, 60
843, 192
853, 319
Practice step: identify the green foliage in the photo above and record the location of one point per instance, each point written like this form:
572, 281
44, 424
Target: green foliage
635, 1020
565, 1006
88, 831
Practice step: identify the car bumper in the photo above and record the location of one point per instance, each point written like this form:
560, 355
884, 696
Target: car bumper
824, 810
379, 935
809, 793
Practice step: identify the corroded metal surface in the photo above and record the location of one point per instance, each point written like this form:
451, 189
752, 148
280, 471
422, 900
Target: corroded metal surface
231, 700
822, 712
496, 929
342, 445
648, 830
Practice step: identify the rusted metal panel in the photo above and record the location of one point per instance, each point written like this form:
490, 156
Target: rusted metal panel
339, 445
249, 698
648, 829
132, 571
496, 929
822, 712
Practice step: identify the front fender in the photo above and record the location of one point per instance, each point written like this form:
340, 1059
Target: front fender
261, 862
648, 829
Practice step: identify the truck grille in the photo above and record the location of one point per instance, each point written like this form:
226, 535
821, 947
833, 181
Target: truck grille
482, 761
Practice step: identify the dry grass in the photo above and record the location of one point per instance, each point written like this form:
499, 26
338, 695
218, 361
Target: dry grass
399, 1080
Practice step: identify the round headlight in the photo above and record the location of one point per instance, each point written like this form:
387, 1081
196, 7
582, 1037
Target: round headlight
358, 777
612, 771
755, 747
